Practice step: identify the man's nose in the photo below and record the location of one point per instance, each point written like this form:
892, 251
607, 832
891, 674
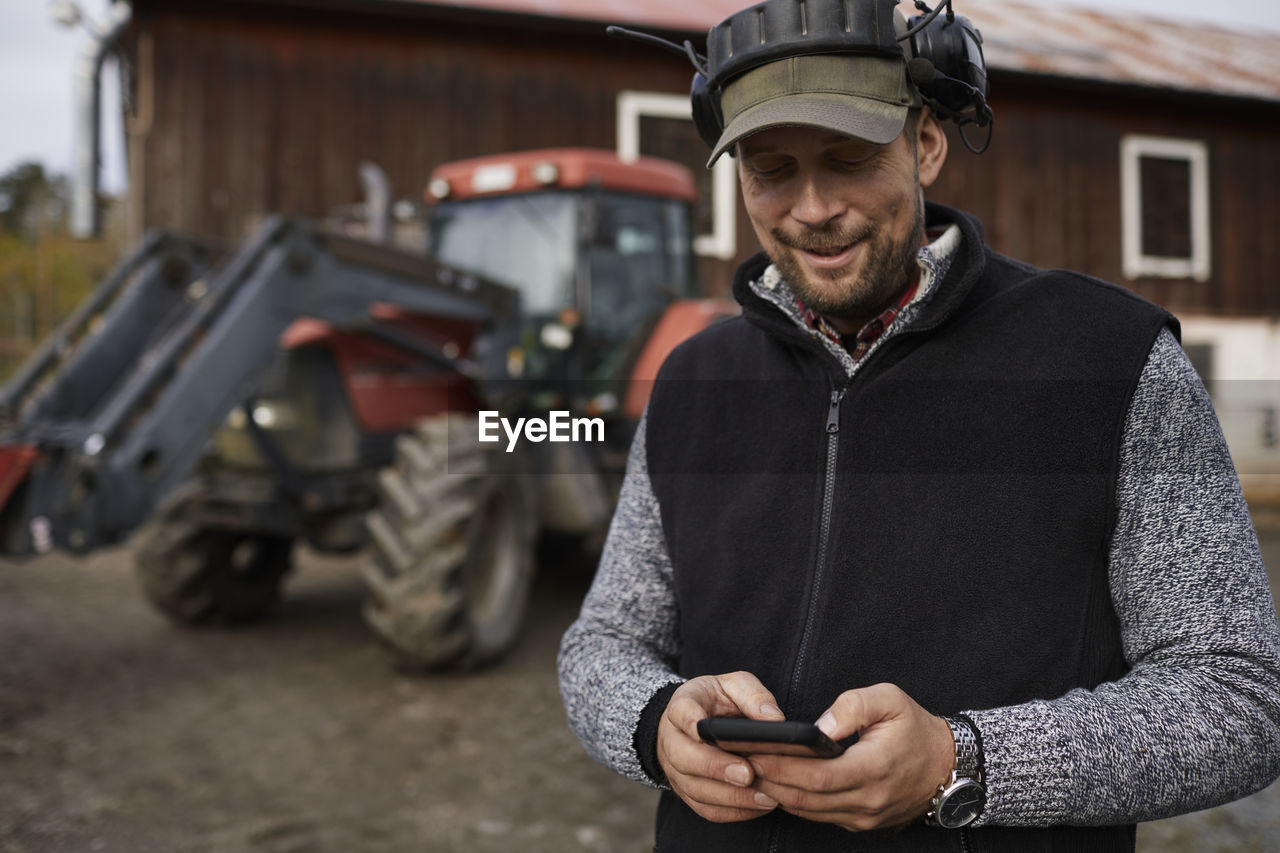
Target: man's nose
815, 205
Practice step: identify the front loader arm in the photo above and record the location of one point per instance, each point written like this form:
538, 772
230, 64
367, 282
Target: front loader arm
101, 472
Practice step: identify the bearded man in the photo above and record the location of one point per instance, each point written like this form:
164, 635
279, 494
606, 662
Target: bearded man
978, 514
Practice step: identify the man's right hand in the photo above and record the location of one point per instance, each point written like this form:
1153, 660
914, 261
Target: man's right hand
714, 783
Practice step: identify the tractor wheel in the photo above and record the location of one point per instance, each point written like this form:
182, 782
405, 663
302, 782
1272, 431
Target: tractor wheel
452, 555
207, 576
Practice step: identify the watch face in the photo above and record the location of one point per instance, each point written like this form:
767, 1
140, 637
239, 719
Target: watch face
961, 804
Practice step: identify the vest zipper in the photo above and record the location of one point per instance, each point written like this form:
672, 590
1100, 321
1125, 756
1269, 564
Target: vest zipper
832, 431
965, 842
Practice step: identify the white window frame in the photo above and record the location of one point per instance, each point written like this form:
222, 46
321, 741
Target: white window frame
722, 242
1196, 154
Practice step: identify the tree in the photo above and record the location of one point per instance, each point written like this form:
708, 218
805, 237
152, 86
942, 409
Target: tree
44, 273
31, 200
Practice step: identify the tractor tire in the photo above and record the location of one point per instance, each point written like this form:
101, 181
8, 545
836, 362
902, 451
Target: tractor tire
199, 575
452, 556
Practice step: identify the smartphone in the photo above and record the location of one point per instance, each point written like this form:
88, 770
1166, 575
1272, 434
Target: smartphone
779, 737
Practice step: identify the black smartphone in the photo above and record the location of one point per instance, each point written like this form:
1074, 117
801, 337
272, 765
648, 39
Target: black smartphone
779, 737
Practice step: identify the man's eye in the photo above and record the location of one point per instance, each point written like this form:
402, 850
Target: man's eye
768, 169
852, 162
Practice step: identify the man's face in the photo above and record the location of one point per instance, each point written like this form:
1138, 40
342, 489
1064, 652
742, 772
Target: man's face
842, 218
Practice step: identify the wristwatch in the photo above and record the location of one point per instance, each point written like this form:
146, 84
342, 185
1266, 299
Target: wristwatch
960, 799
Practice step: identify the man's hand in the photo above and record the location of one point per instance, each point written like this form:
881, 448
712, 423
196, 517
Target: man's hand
886, 779
714, 783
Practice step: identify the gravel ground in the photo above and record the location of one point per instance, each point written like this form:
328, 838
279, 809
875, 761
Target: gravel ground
122, 732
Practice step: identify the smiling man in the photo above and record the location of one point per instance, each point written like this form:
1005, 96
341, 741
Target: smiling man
977, 514
842, 219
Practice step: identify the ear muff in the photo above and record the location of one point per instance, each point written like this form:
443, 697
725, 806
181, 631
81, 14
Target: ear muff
946, 64
948, 68
706, 111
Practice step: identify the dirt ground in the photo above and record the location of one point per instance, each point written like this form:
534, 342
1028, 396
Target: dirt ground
122, 732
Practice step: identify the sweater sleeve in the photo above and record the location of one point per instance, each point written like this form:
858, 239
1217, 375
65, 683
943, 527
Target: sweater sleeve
1196, 721
620, 653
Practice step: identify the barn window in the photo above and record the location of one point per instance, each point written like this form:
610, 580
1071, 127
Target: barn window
1165, 201
658, 124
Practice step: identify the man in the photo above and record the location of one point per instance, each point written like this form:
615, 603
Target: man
977, 513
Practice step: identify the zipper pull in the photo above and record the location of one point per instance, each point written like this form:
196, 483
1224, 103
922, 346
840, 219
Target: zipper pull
833, 415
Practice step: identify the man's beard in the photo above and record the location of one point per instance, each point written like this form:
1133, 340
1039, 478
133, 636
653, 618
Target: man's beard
887, 268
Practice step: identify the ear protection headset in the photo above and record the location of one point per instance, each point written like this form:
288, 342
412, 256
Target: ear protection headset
943, 52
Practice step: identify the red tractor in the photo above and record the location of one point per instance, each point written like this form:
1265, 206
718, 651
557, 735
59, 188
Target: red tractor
319, 388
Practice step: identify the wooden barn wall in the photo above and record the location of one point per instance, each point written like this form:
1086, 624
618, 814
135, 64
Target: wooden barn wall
257, 115
237, 117
1048, 190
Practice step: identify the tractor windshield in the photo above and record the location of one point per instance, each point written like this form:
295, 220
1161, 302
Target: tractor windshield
638, 261
617, 259
523, 241
635, 253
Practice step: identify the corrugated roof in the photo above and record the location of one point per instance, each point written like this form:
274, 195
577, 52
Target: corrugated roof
1088, 44
1061, 41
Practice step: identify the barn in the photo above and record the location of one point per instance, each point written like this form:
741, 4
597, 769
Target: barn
1142, 151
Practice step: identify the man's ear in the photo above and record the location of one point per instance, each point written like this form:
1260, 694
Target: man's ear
931, 147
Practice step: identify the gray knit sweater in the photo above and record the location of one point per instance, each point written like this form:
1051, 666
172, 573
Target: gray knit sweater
1194, 724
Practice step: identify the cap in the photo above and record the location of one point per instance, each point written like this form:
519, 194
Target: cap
858, 95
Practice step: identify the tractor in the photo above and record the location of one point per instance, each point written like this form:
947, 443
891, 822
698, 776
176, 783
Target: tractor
314, 387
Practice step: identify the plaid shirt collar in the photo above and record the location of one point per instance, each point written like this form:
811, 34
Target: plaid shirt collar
860, 344
934, 261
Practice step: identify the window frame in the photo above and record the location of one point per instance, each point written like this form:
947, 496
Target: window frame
722, 242
1133, 148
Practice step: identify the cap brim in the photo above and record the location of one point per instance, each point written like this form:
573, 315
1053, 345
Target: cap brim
868, 119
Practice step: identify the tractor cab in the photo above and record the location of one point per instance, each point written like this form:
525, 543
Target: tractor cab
597, 248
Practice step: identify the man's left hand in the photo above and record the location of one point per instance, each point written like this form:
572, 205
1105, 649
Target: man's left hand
886, 779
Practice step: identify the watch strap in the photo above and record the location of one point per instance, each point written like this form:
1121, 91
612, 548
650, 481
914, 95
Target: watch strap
968, 751
967, 773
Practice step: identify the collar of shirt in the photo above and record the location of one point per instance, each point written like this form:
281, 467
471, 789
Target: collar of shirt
934, 260
860, 342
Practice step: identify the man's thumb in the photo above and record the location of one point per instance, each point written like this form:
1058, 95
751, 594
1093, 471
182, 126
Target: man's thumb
856, 710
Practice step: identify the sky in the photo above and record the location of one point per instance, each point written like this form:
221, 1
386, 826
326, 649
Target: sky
36, 60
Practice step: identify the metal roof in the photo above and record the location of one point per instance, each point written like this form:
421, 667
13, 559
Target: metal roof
1062, 41
1093, 45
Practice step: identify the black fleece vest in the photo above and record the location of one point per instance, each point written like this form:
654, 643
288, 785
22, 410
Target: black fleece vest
940, 522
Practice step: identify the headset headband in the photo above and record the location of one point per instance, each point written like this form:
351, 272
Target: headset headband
775, 30
942, 53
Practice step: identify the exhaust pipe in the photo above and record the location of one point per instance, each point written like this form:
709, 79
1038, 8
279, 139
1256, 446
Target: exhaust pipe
377, 202
86, 220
